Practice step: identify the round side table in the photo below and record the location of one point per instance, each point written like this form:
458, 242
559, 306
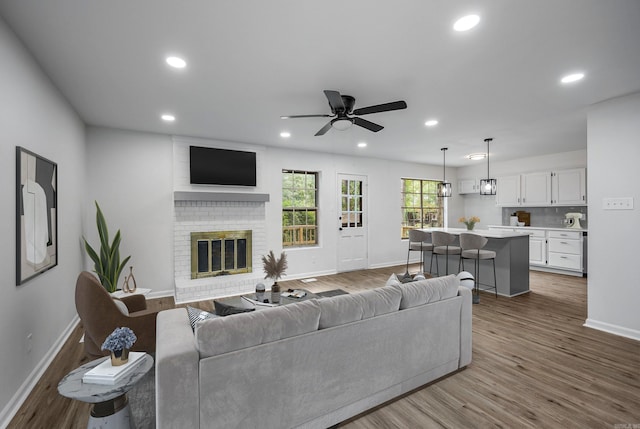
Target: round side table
111, 407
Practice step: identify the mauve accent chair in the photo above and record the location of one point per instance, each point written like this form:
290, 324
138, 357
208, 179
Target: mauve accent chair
100, 316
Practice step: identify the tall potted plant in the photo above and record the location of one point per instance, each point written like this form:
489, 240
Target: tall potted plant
107, 263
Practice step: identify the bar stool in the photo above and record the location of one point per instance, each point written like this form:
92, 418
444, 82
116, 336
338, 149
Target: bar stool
442, 245
472, 248
418, 241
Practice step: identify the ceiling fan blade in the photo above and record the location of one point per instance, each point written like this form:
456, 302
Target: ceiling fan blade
335, 100
396, 105
324, 129
367, 124
304, 116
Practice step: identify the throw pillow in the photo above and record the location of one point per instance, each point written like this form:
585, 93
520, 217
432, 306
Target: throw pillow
227, 310
121, 306
195, 315
393, 280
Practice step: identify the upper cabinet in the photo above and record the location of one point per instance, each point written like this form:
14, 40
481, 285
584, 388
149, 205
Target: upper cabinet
545, 188
536, 189
569, 187
508, 191
468, 186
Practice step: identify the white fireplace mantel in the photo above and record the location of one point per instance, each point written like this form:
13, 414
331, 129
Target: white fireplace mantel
219, 196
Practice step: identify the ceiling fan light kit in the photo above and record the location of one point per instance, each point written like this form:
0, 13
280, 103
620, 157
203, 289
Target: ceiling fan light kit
488, 186
444, 187
344, 116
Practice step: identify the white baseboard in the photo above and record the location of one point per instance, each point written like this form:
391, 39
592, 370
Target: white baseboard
161, 294
613, 329
29, 383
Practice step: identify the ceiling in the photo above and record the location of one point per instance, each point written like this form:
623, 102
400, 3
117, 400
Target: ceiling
251, 61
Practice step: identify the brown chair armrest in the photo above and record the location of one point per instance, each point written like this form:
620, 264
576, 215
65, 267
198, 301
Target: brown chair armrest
144, 326
135, 302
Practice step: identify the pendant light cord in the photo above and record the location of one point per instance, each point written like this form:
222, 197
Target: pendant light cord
488, 140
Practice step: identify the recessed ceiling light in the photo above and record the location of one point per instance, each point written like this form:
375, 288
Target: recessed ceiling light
362, 144
431, 123
477, 156
176, 62
466, 23
574, 77
168, 118
285, 134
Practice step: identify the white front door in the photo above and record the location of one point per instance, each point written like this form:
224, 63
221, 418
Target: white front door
352, 223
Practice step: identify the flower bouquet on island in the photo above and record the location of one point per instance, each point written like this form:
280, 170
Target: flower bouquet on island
118, 343
470, 223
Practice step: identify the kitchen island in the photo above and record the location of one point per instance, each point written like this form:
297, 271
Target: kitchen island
512, 259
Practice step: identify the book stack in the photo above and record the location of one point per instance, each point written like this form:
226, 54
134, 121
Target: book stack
105, 373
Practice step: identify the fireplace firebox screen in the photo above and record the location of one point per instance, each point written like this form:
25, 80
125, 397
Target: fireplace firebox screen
220, 253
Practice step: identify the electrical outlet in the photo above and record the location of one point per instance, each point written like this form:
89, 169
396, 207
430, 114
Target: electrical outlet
625, 203
29, 343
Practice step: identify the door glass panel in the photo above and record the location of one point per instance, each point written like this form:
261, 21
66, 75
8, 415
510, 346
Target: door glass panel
352, 204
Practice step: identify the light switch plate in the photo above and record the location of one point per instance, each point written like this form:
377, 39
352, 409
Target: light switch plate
623, 203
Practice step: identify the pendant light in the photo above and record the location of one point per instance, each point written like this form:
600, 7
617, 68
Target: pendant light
488, 186
444, 188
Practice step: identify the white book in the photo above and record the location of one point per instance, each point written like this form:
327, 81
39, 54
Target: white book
105, 373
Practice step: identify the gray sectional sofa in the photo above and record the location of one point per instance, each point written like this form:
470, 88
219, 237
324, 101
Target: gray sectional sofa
311, 364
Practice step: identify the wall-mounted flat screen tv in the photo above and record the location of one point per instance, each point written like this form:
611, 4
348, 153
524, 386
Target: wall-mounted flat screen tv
211, 166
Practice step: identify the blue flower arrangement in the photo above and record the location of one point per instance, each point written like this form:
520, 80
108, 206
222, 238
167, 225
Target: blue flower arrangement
119, 339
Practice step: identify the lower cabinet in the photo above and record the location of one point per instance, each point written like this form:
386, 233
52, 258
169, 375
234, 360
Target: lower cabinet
537, 246
554, 250
565, 249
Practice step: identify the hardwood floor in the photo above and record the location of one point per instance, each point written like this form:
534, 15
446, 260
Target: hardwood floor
534, 365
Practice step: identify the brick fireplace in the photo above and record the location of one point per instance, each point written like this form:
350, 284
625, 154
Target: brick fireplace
226, 219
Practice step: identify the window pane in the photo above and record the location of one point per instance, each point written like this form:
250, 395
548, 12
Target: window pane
420, 206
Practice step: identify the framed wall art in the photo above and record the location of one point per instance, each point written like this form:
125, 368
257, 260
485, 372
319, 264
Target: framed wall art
36, 215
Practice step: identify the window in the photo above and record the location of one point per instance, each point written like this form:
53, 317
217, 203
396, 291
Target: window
299, 208
421, 207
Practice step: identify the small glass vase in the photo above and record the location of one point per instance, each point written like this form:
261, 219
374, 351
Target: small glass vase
470, 227
275, 293
119, 357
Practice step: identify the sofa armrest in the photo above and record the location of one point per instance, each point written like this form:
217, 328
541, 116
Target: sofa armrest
466, 328
135, 302
177, 372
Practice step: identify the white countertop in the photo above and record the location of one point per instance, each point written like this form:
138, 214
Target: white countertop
544, 228
483, 232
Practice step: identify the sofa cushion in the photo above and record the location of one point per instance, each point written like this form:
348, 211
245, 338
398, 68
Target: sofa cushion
379, 301
342, 309
338, 310
226, 334
430, 290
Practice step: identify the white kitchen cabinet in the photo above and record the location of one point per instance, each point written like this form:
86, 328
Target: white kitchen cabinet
565, 249
537, 246
553, 249
508, 191
569, 187
468, 186
543, 189
536, 189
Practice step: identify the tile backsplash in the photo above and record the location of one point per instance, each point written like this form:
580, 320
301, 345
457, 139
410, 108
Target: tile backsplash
549, 217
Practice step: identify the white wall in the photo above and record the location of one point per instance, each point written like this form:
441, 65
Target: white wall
484, 206
142, 202
130, 176
36, 117
384, 215
613, 135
